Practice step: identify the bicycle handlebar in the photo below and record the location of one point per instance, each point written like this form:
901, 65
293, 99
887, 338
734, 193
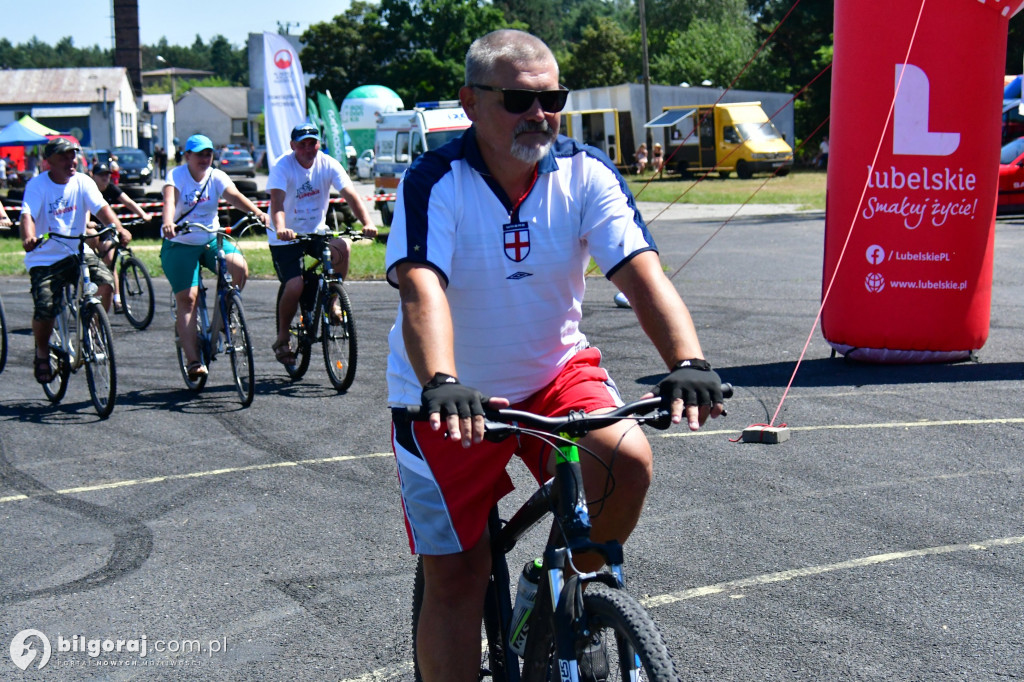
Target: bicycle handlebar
313, 236
107, 229
246, 221
502, 423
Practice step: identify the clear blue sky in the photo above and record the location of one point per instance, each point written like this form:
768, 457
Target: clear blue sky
89, 22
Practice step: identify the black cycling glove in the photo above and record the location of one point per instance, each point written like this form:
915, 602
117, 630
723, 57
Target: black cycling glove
444, 394
692, 380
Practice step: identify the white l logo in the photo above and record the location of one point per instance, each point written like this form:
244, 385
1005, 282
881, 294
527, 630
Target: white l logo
910, 134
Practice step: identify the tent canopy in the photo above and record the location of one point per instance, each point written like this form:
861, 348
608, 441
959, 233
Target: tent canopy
669, 118
36, 127
16, 134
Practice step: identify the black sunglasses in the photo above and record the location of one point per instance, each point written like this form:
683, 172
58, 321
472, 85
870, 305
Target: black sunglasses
520, 101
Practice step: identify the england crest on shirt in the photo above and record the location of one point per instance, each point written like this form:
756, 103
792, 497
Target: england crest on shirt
517, 241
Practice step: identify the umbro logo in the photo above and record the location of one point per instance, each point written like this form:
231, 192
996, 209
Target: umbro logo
520, 275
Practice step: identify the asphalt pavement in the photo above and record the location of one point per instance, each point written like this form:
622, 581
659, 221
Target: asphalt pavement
883, 541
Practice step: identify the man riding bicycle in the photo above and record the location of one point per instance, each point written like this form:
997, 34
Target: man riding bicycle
60, 201
300, 184
489, 245
113, 194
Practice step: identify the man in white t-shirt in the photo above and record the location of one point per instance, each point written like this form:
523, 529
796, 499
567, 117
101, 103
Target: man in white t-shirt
300, 185
60, 201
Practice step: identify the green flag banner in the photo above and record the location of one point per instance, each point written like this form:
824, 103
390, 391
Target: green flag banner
314, 114
334, 133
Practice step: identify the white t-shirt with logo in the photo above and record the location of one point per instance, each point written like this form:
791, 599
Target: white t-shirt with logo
204, 198
306, 192
61, 209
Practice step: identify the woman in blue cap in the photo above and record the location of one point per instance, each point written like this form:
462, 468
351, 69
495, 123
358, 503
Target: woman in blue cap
192, 192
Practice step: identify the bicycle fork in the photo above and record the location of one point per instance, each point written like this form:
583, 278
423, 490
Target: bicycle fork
567, 593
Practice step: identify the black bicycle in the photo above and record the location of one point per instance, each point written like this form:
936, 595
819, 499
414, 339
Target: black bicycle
81, 337
600, 630
3, 337
3, 330
134, 283
214, 335
324, 316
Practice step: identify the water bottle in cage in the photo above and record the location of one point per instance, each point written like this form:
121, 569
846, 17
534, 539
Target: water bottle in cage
526, 597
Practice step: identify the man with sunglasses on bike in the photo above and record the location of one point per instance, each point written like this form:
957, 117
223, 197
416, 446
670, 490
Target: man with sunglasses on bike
300, 185
490, 242
60, 201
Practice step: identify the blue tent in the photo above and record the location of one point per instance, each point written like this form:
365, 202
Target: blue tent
17, 135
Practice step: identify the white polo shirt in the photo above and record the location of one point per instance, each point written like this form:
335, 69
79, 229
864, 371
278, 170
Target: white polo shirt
306, 192
515, 274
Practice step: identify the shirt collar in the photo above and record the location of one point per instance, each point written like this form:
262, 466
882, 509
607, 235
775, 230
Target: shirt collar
548, 164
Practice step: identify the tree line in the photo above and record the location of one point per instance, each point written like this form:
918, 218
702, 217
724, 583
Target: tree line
418, 47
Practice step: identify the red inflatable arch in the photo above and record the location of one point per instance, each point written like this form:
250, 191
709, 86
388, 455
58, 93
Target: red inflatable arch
909, 234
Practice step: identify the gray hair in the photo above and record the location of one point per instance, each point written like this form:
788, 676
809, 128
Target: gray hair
504, 45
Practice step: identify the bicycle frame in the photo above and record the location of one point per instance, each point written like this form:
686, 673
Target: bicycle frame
209, 329
69, 319
564, 615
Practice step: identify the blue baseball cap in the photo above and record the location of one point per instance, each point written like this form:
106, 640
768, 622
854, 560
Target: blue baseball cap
198, 143
305, 131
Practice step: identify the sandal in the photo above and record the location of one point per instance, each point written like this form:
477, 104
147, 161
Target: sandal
196, 370
335, 313
43, 371
284, 354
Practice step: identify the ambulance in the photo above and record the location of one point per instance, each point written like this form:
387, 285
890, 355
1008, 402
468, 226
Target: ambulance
404, 135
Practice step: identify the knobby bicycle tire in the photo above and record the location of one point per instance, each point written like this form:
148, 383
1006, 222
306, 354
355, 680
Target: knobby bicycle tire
298, 338
3, 337
339, 340
60, 366
238, 345
136, 292
100, 364
613, 618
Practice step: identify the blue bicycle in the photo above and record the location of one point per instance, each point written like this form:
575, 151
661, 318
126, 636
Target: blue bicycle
214, 335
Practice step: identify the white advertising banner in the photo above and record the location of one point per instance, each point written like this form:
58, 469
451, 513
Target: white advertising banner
284, 94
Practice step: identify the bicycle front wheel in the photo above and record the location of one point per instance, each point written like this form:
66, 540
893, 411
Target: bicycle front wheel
136, 292
100, 367
339, 338
615, 640
60, 367
3, 337
239, 348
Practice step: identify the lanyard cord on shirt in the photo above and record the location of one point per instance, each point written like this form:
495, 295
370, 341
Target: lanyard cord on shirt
514, 213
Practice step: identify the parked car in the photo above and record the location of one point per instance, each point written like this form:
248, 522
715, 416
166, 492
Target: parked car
364, 165
237, 161
1011, 178
136, 165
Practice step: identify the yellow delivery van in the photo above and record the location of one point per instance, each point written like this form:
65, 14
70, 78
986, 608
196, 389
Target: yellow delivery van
734, 136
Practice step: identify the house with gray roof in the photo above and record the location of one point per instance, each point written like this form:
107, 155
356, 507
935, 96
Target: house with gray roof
95, 104
221, 114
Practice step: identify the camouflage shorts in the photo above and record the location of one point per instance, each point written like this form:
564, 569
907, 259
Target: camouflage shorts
48, 282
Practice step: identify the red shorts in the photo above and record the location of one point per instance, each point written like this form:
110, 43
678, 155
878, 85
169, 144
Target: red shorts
448, 490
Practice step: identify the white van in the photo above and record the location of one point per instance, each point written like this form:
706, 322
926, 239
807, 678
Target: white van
404, 135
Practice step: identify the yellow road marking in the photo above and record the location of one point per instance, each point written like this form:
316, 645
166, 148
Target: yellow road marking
839, 427
343, 458
196, 474
810, 571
